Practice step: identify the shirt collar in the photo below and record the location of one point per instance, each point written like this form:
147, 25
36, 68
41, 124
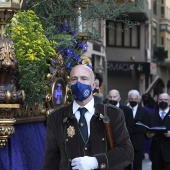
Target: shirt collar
134, 108
166, 111
89, 106
118, 104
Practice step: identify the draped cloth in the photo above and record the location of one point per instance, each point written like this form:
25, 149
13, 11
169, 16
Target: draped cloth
25, 148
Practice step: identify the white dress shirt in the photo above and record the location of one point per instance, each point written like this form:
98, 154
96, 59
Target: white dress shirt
165, 111
118, 104
88, 115
134, 109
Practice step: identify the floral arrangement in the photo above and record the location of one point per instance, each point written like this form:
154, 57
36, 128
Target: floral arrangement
33, 52
70, 46
34, 49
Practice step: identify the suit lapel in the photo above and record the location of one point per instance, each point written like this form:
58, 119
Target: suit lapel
73, 139
138, 116
98, 139
167, 117
97, 131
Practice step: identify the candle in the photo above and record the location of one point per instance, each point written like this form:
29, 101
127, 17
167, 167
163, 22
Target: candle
79, 21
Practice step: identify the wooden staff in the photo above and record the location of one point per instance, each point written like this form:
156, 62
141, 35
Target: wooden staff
108, 129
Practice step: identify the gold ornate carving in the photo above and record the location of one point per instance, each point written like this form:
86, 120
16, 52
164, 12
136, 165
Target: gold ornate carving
10, 97
6, 129
57, 79
56, 97
12, 109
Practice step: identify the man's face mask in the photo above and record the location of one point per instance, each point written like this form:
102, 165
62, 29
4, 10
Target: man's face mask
133, 103
163, 105
81, 91
113, 102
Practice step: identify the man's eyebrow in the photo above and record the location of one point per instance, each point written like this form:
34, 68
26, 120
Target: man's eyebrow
73, 77
84, 77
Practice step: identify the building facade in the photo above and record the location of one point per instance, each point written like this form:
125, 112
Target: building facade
161, 15
139, 57
128, 52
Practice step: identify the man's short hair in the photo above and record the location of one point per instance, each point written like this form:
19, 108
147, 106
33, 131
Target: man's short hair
100, 78
134, 92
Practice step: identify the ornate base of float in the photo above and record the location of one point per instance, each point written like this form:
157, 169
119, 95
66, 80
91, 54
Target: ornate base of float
6, 122
6, 129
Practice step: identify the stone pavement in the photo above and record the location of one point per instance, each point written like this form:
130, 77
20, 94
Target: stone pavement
146, 164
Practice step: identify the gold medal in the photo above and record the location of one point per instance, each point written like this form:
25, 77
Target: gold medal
70, 131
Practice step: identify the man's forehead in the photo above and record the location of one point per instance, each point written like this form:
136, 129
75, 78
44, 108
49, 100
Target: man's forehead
82, 71
133, 96
164, 96
81, 68
114, 92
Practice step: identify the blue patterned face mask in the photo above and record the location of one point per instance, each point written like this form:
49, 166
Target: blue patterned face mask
81, 91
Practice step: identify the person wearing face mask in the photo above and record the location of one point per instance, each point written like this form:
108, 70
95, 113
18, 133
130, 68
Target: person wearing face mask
160, 147
76, 138
114, 99
98, 97
140, 114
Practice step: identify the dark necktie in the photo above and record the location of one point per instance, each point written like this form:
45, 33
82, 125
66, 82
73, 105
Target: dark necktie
83, 124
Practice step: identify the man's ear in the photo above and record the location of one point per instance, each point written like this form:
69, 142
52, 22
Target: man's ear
119, 99
94, 85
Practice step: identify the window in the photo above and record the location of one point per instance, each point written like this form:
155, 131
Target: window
162, 41
154, 7
162, 11
119, 36
154, 37
111, 33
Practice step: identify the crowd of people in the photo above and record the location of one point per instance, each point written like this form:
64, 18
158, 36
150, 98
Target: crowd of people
153, 113
96, 133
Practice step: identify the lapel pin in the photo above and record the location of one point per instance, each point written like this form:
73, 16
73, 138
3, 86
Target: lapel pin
70, 131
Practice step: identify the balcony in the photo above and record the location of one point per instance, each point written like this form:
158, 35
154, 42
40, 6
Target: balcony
140, 11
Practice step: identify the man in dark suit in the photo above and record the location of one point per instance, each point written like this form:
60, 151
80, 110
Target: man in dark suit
160, 148
140, 115
114, 99
76, 138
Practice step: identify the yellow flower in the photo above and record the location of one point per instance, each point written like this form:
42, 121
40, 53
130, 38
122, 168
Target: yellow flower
30, 51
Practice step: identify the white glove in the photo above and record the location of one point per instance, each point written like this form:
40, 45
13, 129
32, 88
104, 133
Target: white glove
84, 163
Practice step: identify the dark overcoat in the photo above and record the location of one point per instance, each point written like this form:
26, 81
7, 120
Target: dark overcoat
128, 119
139, 133
160, 143
64, 141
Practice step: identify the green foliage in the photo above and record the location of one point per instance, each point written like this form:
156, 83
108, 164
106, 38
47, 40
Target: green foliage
55, 12
33, 51
160, 54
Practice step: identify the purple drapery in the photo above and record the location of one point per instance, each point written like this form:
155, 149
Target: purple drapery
25, 148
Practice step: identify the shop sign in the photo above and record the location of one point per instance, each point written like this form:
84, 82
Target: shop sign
128, 67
